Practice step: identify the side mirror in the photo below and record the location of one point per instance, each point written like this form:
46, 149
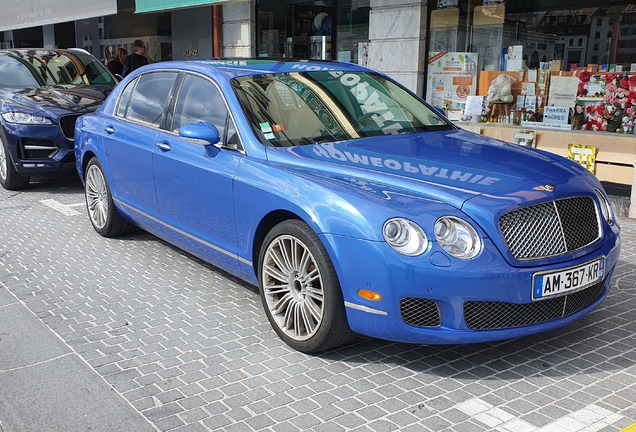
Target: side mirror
202, 131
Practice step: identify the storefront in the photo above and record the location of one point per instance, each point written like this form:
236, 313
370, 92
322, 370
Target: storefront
333, 30
560, 76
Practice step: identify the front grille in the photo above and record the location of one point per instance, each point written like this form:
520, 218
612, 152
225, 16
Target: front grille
490, 315
37, 149
550, 228
420, 312
67, 125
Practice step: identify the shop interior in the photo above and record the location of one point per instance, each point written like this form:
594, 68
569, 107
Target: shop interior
333, 30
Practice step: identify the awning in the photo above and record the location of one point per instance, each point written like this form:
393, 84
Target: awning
142, 6
31, 13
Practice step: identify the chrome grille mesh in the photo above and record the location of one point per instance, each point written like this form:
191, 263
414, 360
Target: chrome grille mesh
489, 315
551, 228
420, 312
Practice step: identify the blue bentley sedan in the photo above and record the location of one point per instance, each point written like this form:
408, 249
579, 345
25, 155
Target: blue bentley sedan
354, 206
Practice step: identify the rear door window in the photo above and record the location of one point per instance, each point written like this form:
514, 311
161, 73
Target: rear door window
150, 97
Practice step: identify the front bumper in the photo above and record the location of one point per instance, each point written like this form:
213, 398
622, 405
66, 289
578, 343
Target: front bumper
435, 299
38, 149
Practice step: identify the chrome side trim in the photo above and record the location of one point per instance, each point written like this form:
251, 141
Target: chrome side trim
183, 233
364, 308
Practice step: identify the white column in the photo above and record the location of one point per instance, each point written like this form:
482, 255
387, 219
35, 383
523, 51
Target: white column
48, 36
239, 29
397, 35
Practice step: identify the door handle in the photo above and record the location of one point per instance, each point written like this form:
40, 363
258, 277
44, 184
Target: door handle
109, 130
163, 145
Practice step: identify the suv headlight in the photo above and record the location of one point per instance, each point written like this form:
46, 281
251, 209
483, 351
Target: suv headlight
405, 236
25, 118
457, 237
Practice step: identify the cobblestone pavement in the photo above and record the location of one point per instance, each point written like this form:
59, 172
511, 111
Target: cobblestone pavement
191, 349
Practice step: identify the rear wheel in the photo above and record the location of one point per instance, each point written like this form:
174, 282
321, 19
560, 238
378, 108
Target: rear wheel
300, 290
104, 217
9, 177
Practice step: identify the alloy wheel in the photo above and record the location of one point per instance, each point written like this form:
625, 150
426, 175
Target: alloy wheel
293, 287
3, 162
97, 197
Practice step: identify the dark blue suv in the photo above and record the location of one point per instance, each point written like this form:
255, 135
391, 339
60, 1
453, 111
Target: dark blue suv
42, 93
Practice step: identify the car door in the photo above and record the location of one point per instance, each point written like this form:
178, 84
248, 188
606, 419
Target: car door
129, 143
194, 181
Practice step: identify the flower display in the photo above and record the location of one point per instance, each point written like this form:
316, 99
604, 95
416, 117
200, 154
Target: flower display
615, 109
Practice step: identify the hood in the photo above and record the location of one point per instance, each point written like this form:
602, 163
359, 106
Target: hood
58, 100
452, 166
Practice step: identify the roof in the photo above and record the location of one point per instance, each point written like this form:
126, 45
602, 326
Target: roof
248, 66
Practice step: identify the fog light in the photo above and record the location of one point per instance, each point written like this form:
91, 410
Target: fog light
369, 295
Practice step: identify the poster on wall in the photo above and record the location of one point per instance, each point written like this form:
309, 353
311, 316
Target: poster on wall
452, 77
583, 155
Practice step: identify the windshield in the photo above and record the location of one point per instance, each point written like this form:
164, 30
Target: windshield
52, 68
314, 107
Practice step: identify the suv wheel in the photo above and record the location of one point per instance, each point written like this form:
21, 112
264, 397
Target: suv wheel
10, 179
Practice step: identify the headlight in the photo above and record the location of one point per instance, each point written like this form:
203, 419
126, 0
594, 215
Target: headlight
457, 237
25, 118
405, 236
606, 207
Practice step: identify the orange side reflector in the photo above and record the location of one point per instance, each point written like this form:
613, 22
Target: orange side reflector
369, 295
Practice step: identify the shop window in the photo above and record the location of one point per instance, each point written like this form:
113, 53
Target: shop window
303, 29
473, 43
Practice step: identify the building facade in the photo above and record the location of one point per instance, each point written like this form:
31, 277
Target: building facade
394, 36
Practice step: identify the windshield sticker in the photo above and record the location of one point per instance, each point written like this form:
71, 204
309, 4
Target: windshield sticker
265, 127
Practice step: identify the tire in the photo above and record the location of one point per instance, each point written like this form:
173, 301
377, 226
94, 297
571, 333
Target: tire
9, 177
300, 291
102, 212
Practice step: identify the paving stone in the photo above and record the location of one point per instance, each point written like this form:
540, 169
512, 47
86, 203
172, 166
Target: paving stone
190, 348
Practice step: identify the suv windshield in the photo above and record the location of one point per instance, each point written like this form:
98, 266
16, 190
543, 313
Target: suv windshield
314, 107
35, 68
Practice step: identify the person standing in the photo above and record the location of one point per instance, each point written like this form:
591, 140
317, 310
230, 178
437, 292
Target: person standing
136, 59
116, 64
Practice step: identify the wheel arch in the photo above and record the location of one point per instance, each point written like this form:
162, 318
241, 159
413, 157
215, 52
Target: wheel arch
268, 222
86, 158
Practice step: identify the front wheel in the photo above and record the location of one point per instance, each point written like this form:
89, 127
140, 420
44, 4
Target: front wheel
10, 179
300, 291
104, 217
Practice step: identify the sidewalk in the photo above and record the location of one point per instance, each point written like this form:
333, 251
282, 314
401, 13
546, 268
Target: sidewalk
45, 386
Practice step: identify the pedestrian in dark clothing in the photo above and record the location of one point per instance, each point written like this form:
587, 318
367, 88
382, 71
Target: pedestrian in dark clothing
116, 64
136, 59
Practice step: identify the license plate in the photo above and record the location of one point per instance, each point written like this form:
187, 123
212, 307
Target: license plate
567, 280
